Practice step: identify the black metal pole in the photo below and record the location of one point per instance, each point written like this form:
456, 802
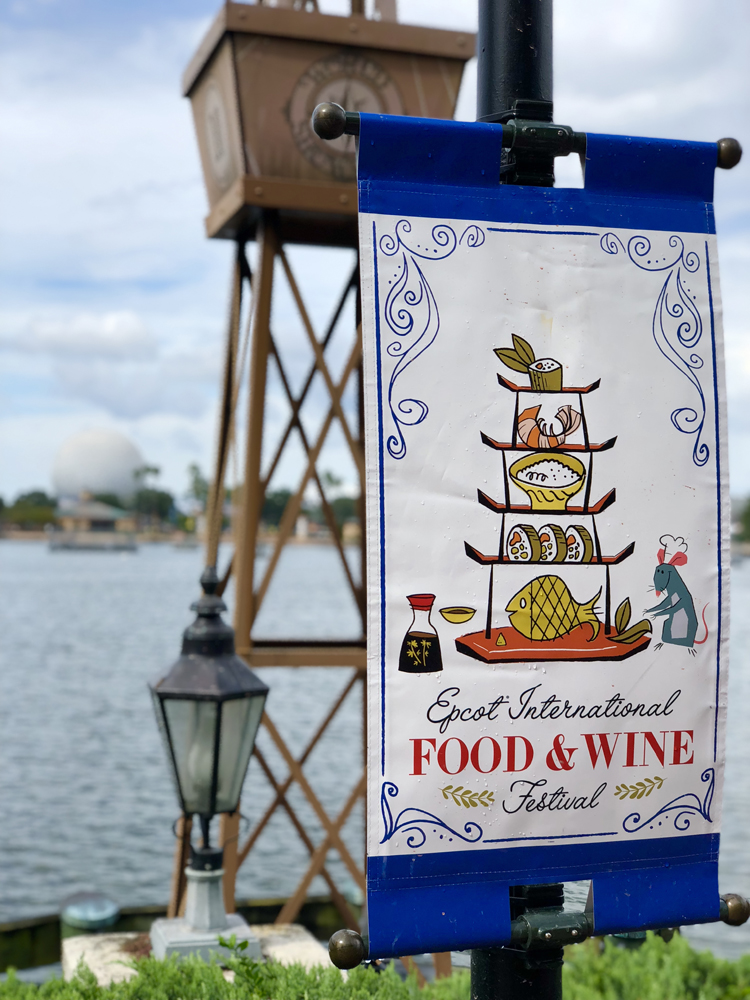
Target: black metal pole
498, 974
514, 59
530, 968
514, 83
514, 77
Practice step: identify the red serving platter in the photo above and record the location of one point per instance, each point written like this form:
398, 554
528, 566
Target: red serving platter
573, 646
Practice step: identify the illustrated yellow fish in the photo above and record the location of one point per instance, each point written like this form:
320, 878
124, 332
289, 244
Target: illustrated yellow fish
546, 609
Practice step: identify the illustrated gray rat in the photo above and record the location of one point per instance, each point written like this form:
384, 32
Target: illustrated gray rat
677, 608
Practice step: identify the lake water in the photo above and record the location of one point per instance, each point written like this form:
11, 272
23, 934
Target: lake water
86, 802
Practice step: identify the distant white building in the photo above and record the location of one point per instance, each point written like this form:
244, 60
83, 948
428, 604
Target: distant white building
96, 461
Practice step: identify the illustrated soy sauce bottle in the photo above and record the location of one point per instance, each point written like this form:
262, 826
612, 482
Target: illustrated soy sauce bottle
420, 650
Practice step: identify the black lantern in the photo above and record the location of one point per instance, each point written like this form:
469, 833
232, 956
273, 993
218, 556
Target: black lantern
209, 707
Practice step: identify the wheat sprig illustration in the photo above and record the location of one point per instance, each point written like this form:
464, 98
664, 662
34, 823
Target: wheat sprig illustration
640, 789
465, 797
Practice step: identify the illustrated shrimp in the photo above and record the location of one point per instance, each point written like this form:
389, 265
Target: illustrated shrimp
538, 433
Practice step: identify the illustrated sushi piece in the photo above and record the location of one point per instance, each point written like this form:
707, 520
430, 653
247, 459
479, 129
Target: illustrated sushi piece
553, 542
546, 375
580, 546
523, 544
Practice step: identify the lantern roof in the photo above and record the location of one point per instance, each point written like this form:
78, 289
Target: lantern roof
208, 668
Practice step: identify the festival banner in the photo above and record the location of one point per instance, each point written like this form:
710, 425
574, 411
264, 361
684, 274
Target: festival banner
547, 524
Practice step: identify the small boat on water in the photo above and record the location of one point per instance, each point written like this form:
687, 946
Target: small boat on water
92, 526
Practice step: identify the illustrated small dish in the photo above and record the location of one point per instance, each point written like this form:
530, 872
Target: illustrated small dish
457, 616
549, 480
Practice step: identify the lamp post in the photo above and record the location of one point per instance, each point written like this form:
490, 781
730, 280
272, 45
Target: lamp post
208, 708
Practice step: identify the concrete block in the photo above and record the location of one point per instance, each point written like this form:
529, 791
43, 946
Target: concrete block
104, 954
289, 944
177, 937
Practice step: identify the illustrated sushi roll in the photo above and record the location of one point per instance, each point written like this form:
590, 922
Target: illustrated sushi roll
523, 544
553, 542
579, 543
546, 375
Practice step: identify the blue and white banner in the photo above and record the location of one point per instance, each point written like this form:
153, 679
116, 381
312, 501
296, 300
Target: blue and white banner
547, 533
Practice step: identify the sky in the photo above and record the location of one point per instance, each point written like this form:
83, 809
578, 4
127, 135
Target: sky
113, 303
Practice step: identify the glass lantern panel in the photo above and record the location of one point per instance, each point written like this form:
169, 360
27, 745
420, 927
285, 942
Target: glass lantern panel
192, 729
165, 739
239, 726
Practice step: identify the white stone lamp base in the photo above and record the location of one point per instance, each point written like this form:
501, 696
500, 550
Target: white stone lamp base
205, 920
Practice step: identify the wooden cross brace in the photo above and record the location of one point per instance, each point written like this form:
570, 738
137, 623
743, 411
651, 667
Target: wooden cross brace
332, 828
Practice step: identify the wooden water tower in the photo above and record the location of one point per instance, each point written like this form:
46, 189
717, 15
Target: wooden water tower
253, 84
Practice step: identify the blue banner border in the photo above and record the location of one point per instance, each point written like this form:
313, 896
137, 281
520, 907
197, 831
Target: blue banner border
451, 170
413, 905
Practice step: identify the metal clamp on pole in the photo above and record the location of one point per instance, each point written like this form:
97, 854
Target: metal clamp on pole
542, 137
538, 929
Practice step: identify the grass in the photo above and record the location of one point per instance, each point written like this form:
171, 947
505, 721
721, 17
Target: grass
655, 971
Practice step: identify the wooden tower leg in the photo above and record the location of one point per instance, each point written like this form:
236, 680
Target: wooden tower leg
249, 520
183, 829
252, 500
229, 832
215, 505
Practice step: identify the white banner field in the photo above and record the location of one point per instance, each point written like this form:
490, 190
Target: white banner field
547, 534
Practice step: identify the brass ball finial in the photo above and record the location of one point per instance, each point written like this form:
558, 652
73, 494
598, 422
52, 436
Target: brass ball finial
735, 909
729, 154
329, 121
346, 949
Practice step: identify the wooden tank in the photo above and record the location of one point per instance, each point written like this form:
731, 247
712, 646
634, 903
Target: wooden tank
253, 84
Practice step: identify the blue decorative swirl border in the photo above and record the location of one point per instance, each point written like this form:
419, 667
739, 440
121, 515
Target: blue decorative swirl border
677, 326
412, 820
410, 294
686, 807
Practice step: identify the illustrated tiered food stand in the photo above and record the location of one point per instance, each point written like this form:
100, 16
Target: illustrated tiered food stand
547, 622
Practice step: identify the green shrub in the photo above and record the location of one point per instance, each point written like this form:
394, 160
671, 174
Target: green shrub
193, 979
655, 971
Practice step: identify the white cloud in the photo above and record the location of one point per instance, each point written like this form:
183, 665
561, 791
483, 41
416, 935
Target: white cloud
134, 390
113, 361
120, 335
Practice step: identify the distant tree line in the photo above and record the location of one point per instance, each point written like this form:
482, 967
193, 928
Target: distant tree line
29, 511
153, 506
149, 504
744, 522
344, 508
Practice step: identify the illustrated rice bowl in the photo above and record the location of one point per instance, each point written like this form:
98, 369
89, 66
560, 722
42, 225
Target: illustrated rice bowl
550, 472
549, 481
